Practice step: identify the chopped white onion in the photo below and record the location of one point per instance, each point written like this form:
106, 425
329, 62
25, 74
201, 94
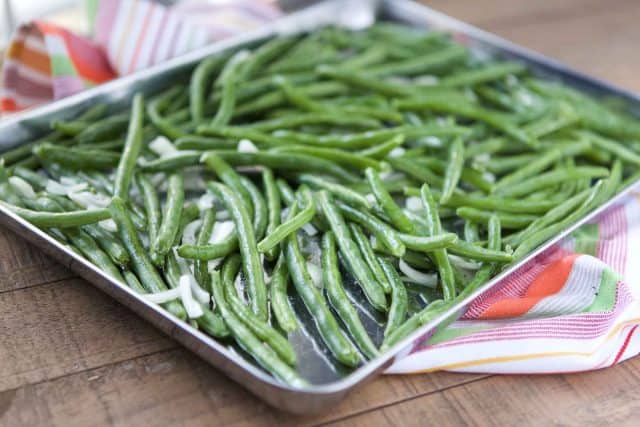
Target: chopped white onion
23, 187
221, 230
89, 200
316, 274
397, 152
189, 234
206, 201
182, 263
482, 158
162, 297
162, 146
54, 187
212, 264
413, 204
200, 294
246, 146
310, 229
223, 215
370, 198
489, 177
191, 306
109, 225
463, 263
418, 277
426, 80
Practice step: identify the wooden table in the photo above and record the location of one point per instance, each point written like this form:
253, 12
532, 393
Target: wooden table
71, 356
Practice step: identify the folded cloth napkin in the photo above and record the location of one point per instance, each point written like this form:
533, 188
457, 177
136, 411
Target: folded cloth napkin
44, 62
575, 307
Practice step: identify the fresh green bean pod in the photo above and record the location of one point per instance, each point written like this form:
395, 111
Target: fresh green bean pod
140, 262
399, 298
272, 194
371, 287
170, 223
339, 299
338, 344
369, 257
252, 266
132, 148
280, 305
265, 356
389, 206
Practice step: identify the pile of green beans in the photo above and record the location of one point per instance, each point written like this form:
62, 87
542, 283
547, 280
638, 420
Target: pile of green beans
385, 171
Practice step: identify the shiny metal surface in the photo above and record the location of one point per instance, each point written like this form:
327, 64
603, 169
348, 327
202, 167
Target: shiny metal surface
329, 385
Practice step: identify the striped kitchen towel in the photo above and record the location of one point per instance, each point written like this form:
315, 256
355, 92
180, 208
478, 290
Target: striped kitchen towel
573, 308
44, 62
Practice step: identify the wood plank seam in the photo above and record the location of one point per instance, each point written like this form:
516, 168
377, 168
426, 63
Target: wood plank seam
405, 400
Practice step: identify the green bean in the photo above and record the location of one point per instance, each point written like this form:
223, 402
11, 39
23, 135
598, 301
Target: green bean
399, 299
265, 356
541, 163
131, 149
501, 165
108, 243
200, 78
428, 244
273, 209
533, 240
59, 219
612, 147
471, 251
389, 206
364, 81
151, 206
469, 175
70, 128
343, 158
227, 175
492, 203
156, 107
434, 228
202, 143
416, 171
382, 150
382, 232
552, 178
266, 53
37, 181
467, 109
339, 299
286, 192
421, 64
291, 225
371, 287
274, 99
484, 74
76, 158
363, 243
261, 329
132, 280
140, 261
90, 249
260, 214
338, 191
105, 129
297, 120
210, 251
426, 315
228, 79
201, 268
374, 54
285, 162
487, 270
279, 300
340, 347
190, 213
172, 162
248, 248
170, 218
454, 170
471, 233
509, 220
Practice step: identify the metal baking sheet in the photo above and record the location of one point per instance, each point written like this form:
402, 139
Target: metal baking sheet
329, 383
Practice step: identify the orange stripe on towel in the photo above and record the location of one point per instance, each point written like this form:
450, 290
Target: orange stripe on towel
549, 282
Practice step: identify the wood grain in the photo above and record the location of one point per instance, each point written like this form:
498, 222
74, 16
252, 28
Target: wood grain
71, 356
